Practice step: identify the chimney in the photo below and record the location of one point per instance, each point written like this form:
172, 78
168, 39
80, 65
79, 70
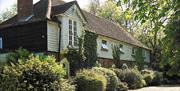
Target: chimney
24, 8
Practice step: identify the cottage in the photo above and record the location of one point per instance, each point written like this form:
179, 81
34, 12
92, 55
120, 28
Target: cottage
49, 26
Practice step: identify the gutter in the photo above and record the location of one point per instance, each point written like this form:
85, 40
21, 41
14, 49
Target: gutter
59, 47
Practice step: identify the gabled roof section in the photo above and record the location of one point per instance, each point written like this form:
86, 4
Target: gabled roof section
60, 9
45, 9
110, 29
41, 11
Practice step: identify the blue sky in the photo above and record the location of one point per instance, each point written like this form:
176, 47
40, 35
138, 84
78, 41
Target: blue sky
8, 3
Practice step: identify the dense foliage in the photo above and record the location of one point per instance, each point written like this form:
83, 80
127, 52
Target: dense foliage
122, 86
32, 74
116, 53
75, 59
152, 77
132, 77
171, 44
89, 80
19, 54
90, 48
139, 58
111, 77
8, 13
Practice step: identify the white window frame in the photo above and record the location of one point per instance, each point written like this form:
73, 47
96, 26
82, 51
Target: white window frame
73, 33
70, 36
1, 43
104, 46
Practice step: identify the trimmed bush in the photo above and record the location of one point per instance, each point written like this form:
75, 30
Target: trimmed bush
133, 78
152, 77
158, 78
89, 80
32, 74
110, 75
67, 85
122, 86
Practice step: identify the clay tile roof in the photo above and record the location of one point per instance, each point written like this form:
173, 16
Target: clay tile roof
59, 9
46, 8
110, 29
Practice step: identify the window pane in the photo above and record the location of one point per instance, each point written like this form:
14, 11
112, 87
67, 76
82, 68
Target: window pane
75, 34
70, 32
104, 45
1, 43
104, 42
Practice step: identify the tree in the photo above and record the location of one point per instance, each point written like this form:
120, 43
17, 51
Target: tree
156, 12
109, 10
94, 6
8, 13
171, 43
90, 49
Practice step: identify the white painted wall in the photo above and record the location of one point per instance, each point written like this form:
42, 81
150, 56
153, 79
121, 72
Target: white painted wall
73, 15
53, 36
127, 49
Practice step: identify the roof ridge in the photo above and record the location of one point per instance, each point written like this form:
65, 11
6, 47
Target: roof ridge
107, 20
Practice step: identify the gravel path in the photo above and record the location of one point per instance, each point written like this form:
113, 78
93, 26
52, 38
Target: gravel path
159, 88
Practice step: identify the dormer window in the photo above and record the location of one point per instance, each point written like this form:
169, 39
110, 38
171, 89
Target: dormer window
104, 45
1, 43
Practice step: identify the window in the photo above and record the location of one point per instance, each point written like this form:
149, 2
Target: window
75, 34
1, 43
104, 45
121, 47
144, 53
70, 32
73, 37
133, 51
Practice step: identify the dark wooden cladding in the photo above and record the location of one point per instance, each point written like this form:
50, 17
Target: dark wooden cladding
31, 36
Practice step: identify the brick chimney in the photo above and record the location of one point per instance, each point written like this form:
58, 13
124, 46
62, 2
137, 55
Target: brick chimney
24, 8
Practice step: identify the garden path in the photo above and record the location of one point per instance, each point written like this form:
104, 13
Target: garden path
159, 88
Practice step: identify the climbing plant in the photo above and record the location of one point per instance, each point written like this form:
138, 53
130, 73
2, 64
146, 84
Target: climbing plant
138, 56
90, 48
116, 53
76, 57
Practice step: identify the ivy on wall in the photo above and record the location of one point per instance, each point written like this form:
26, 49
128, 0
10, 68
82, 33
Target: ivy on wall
90, 48
76, 57
139, 58
116, 53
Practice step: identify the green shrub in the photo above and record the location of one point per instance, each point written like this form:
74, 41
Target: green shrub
133, 77
89, 80
67, 85
152, 77
75, 60
110, 75
19, 54
158, 78
32, 74
122, 86
148, 76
